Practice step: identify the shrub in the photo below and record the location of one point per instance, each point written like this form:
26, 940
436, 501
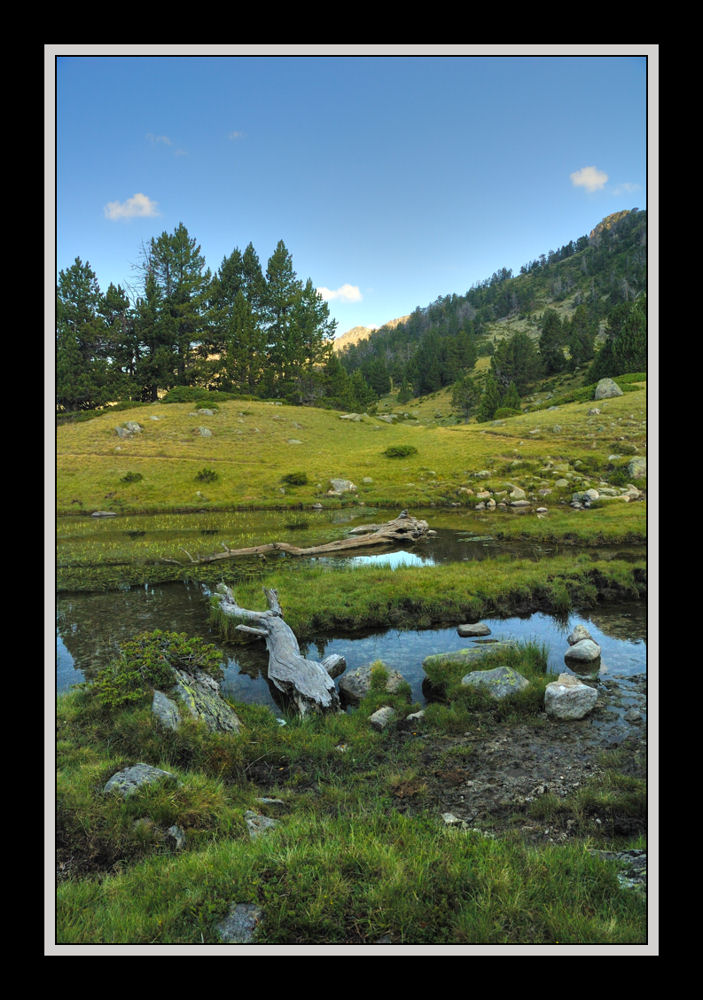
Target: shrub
400, 450
295, 479
206, 476
506, 411
132, 477
144, 663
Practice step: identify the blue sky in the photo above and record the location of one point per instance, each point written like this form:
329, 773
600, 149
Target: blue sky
392, 177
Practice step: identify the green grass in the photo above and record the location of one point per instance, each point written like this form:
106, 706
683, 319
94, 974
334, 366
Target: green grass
343, 865
250, 451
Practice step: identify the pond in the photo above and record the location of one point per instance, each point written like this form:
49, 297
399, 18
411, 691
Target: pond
90, 626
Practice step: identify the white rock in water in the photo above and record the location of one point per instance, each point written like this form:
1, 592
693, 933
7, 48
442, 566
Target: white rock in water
569, 698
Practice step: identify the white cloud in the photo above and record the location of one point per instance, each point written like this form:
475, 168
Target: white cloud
345, 293
136, 206
590, 178
235, 135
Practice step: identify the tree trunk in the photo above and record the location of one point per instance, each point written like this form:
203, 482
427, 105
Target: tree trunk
306, 684
403, 530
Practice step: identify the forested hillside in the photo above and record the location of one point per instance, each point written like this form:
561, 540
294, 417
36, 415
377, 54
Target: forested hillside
246, 330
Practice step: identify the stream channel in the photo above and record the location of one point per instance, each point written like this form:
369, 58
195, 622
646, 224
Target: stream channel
90, 627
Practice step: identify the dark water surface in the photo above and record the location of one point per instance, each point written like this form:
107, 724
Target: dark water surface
90, 627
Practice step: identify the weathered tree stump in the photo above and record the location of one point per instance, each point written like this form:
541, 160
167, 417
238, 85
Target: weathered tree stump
306, 684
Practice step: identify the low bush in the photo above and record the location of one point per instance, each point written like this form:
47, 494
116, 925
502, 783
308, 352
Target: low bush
400, 451
295, 479
132, 477
206, 476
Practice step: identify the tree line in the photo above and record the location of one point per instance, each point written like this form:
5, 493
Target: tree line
242, 330
262, 332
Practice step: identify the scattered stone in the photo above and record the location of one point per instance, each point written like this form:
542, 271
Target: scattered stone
103, 513
569, 698
239, 925
132, 779
415, 716
175, 838
277, 805
381, 719
338, 486
583, 655
466, 631
257, 824
607, 389
204, 432
294, 441
637, 467
499, 683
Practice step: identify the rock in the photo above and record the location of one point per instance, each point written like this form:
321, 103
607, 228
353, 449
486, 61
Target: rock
466, 631
499, 683
607, 389
381, 719
258, 824
416, 716
637, 467
569, 698
350, 416
132, 779
204, 432
165, 710
583, 656
239, 925
175, 838
129, 429
580, 632
103, 513
466, 656
200, 693
355, 685
342, 486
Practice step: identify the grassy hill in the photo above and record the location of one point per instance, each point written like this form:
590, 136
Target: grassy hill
251, 448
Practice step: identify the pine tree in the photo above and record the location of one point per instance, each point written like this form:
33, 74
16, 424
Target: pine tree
85, 377
490, 398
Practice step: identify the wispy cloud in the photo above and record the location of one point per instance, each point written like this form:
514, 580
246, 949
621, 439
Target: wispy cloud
164, 139
235, 135
627, 188
138, 206
345, 293
590, 178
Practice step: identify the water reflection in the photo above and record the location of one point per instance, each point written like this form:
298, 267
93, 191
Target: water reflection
90, 627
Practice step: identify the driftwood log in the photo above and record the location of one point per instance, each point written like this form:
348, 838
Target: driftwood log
305, 684
403, 530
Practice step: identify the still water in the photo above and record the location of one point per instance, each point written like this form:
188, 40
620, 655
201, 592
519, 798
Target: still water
90, 627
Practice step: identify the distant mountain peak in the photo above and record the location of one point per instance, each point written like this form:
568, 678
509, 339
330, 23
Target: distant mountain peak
358, 333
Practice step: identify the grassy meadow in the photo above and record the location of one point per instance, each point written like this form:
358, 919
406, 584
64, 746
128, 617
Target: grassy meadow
360, 855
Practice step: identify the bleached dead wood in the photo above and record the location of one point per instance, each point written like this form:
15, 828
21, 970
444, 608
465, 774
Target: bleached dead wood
306, 684
403, 530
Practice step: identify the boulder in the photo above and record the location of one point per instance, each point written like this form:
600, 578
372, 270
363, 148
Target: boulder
200, 694
165, 710
381, 719
583, 656
356, 684
132, 779
607, 389
637, 467
466, 656
467, 631
338, 486
239, 925
569, 698
499, 683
